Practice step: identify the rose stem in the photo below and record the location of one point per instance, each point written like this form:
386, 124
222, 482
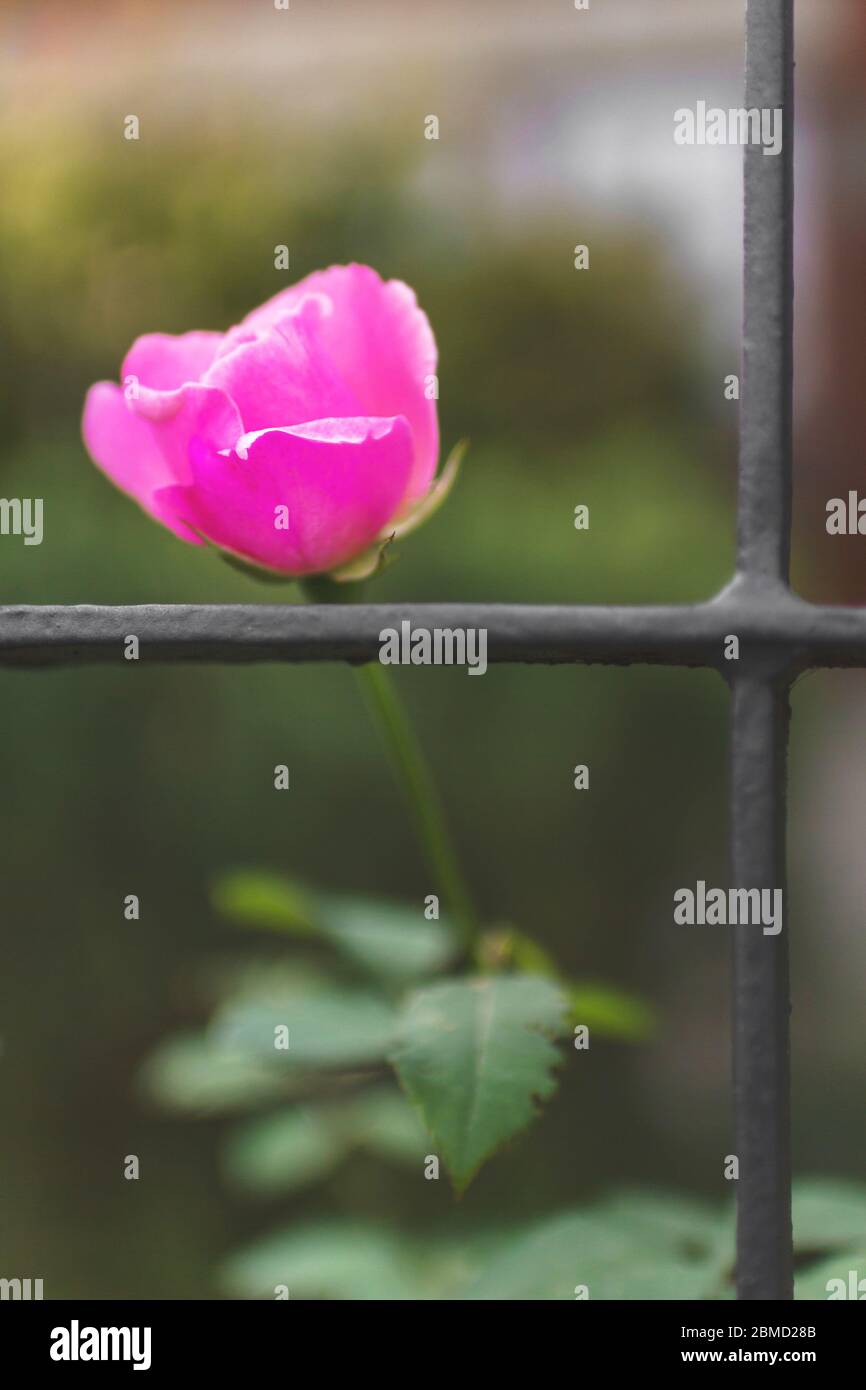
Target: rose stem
417, 780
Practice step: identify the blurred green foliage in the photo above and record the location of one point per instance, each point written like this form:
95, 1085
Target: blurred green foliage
635, 1245
320, 1100
473, 1053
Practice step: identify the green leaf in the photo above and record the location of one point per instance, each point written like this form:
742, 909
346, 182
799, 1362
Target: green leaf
328, 1028
613, 1260
384, 1122
283, 1152
671, 1222
828, 1213
390, 941
257, 978
474, 1056
812, 1283
194, 1075
610, 1012
526, 954
256, 898
603, 1009
333, 1261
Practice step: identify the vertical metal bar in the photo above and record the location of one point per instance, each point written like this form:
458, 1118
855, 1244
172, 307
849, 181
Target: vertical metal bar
761, 1003
764, 513
759, 713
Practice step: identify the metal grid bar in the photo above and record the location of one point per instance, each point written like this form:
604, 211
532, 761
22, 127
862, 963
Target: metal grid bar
780, 635
764, 512
761, 1001
759, 704
775, 629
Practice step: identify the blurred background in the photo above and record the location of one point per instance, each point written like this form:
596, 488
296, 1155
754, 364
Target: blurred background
262, 127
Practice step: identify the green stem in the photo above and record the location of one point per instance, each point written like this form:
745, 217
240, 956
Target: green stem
384, 702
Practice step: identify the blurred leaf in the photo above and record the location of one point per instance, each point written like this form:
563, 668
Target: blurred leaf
614, 1261
257, 977
610, 1012
602, 1008
192, 1074
828, 1212
282, 1152
672, 1222
328, 1028
474, 1056
255, 898
335, 1261
383, 1121
529, 957
448, 1267
390, 941
812, 1283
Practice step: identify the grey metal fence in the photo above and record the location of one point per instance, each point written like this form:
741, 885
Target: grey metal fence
779, 635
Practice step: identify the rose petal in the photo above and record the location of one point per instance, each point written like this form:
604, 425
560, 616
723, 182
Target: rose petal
282, 374
380, 343
164, 361
193, 411
122, 444
340, 480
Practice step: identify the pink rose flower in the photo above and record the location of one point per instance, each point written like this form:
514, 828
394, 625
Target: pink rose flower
301, 440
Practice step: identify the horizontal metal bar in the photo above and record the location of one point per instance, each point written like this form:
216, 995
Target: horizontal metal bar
786, 634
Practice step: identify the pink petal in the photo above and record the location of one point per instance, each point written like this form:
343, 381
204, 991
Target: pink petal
341, 480
380, 343
123, 446
164, 361
282, 374
194, 411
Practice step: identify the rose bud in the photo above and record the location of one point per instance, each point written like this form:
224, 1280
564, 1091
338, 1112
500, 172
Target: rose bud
301, 442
